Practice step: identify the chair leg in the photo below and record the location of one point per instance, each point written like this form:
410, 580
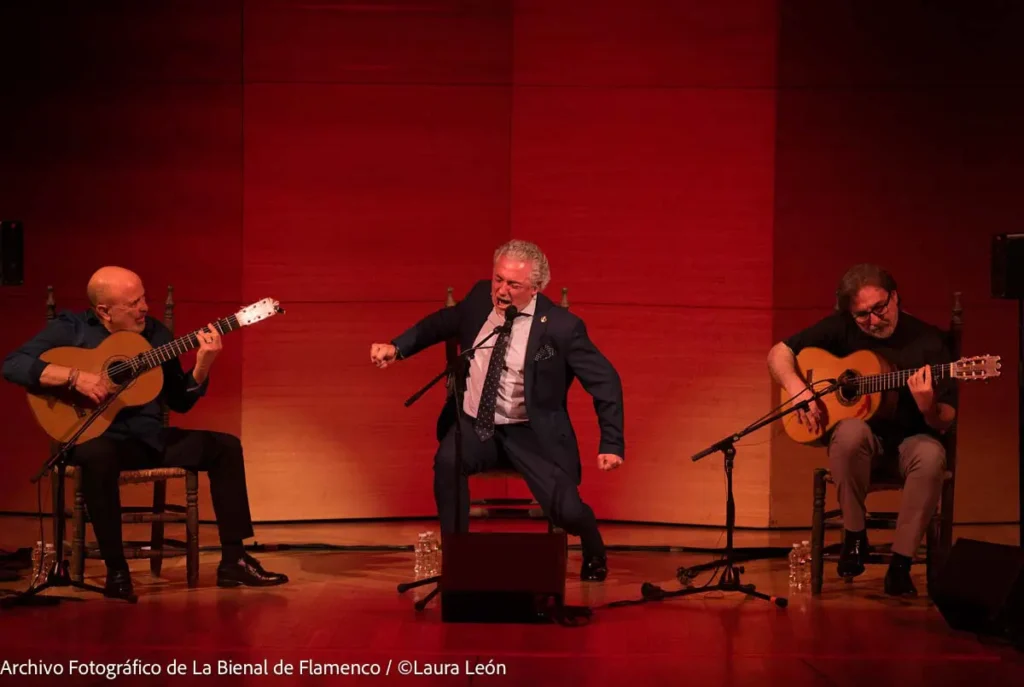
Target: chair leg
192, 527
156, 541
58, 506
818, 532
78, 531
933, 553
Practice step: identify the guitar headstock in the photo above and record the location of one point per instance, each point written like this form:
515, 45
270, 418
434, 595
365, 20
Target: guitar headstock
258, 311
978, 367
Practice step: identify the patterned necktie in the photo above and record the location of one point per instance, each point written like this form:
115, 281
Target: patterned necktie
484, 424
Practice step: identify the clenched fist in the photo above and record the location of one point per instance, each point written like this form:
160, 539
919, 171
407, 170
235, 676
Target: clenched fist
383, 355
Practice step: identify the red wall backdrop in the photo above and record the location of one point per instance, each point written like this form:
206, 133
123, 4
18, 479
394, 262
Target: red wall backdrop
699, 176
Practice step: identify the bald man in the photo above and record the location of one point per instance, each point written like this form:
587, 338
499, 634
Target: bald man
137, 438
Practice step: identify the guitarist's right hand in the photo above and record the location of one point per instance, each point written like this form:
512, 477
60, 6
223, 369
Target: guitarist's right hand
92, 386
813, 417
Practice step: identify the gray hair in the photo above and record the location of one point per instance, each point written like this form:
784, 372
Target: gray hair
524, 250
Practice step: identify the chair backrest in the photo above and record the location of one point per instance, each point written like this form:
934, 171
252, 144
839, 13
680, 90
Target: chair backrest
451, 347
954, 339
169, 323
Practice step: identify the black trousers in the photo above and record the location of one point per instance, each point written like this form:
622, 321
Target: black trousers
218, 454
516, 445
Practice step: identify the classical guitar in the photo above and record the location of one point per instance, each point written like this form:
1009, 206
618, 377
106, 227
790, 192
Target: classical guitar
127, 360
868, 385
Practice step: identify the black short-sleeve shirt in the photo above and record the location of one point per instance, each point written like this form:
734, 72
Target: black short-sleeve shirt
912, 345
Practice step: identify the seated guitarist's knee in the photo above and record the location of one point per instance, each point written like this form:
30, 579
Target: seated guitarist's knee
896, 376
68, 365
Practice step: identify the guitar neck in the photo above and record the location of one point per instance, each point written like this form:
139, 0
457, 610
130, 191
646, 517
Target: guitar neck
894, 380
161, 354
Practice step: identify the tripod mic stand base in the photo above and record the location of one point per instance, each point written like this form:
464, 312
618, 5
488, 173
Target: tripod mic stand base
422, 603
730, 583
57, 577
406, 586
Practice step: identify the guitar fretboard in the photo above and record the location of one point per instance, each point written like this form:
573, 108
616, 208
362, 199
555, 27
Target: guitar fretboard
161, 354
894, 380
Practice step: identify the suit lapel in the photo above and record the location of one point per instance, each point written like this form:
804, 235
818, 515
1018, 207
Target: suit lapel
538, 327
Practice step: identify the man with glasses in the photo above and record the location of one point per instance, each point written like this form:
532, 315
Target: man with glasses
868, 316
514, 407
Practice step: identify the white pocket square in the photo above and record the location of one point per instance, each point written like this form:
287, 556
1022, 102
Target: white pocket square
546, 351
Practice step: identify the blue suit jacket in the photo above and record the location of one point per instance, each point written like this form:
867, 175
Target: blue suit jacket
558, 352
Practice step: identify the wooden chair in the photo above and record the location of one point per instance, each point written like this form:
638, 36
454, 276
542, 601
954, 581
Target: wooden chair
158, 514
500, 507
938, 536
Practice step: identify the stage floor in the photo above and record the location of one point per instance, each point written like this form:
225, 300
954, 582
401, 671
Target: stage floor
343, 607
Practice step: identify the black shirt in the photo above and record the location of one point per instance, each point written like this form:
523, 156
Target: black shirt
84, 330
912, 345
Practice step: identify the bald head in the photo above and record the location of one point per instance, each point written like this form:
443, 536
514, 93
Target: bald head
118, 298
108, 283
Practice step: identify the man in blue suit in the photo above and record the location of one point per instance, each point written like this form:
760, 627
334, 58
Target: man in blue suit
516, 389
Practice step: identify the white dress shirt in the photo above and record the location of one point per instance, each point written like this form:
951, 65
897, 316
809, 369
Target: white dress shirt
511, 403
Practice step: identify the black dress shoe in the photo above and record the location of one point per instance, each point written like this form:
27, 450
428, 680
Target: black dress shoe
119, 584
898, 582
594, 568
248, 572
853, 554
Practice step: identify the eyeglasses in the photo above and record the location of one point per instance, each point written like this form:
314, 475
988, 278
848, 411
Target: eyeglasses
877, 311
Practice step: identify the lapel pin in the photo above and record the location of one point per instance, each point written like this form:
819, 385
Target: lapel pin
543, 318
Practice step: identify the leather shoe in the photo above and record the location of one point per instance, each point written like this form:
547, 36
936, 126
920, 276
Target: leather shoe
119, 584
248, 572
898, 582
594, 568
853, 554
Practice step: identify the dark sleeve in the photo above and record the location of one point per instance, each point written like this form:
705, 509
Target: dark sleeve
436, 327
181, 392
23, 366
828, 333
599, 379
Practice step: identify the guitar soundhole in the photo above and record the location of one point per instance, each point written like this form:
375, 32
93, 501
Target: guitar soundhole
847, 393
119, 370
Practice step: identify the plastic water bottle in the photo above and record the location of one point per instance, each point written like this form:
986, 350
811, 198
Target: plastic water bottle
433, 555
42, 561
422, 553
794, 567
805, 565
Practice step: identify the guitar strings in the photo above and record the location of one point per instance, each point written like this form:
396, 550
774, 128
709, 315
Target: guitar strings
156, 356
880, 382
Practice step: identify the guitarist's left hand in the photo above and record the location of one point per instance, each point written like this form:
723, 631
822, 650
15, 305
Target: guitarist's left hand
920, 384
209, 347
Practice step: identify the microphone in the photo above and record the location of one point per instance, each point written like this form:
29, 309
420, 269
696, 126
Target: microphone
511, 313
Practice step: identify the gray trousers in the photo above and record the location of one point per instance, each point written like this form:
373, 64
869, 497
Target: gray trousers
855, 452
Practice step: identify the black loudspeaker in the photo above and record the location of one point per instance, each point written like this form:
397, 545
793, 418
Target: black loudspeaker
502, 577
1008, 266
980, 589
12, 253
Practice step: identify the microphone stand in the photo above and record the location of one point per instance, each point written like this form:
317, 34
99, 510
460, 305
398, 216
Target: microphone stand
730, 578
455, 372
59, 575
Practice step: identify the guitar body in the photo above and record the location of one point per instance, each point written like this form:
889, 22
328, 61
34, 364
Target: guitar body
816, 364
61, 411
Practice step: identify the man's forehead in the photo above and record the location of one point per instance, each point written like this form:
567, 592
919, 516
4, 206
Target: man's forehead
870, 295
